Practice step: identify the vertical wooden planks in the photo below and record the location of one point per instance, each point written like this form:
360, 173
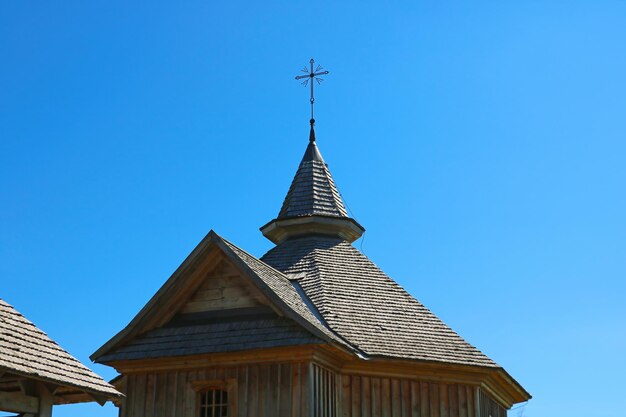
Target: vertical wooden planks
434, 399
356, 401
425, 399
160, 394
296, 390
306, 390
273, 388
453, 400
346, 396
396, 398
139, 403
385, 397
253, 385
405, 395
366, 401
443, 400
462, 398
190, 395
415, 400
471, 407
242, 391
376, 400
181, 388
284, 396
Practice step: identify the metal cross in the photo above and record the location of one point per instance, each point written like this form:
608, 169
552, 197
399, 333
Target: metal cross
312, 75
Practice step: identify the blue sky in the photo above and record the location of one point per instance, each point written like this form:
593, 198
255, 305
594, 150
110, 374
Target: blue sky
481, 145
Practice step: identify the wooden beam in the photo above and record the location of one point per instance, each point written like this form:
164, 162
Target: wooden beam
28, 387
46, 400
17, 402
100, 399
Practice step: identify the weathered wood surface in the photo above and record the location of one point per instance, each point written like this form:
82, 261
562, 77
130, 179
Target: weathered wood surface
302, 389
487, 407
263, 390
18, 402
224, 288
366, 396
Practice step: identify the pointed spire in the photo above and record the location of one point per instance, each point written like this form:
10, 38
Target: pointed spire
312, 132
313, 204
312, 191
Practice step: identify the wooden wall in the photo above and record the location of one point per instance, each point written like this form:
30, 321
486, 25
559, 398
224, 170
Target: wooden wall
365, 396
488, 407
303, 390
264, 390
224, 288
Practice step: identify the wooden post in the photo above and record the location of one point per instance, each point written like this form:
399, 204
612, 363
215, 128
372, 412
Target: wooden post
46, 400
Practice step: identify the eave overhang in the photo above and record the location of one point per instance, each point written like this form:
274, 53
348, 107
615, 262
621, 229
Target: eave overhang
281, 229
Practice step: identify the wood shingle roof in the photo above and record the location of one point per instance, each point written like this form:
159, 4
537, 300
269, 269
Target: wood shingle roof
141, 340
366, 307
27, 351
312, 191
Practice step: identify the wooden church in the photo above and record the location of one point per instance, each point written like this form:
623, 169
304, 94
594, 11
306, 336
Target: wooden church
313, 328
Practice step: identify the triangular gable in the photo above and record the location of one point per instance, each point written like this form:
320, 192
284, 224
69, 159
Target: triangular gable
184, 292
224, 288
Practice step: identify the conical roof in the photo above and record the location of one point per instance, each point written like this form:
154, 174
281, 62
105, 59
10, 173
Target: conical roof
313, 204
312, 191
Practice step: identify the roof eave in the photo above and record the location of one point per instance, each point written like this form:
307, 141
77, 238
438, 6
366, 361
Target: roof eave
281, 229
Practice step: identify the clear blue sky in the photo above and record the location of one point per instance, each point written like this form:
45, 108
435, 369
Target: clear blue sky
483, 147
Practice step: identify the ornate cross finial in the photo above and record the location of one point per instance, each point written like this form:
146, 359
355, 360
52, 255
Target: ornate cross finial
310, 77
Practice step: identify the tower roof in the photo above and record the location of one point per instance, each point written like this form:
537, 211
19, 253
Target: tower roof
313, 204
312, 191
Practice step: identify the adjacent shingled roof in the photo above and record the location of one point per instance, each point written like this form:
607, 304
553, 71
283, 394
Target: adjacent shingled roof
366, 307
226, 336
312, 191
27, 351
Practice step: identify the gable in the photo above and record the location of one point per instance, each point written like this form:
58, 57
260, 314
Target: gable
216, 300
224, 288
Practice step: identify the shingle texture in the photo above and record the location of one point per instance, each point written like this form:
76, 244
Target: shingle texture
282, 287
216, 337
366, 307
27, 351
312, 191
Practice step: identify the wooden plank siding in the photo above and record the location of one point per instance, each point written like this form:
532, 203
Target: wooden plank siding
302, 389
224, 288
366, 396
487, 406
262, 390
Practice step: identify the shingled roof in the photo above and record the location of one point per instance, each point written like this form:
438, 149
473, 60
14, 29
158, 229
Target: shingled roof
209, 334
355, 298
313, 203
27, 351
328, 291
366, 307
312, 191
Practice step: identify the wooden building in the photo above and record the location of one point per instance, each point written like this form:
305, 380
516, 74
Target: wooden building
36, 373
313, 328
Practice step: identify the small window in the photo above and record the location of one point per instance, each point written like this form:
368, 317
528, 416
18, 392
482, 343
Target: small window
213, 403
215, 398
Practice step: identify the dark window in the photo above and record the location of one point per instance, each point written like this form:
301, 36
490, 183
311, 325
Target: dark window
213, 403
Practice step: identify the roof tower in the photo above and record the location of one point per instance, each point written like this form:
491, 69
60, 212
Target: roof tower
313, 205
